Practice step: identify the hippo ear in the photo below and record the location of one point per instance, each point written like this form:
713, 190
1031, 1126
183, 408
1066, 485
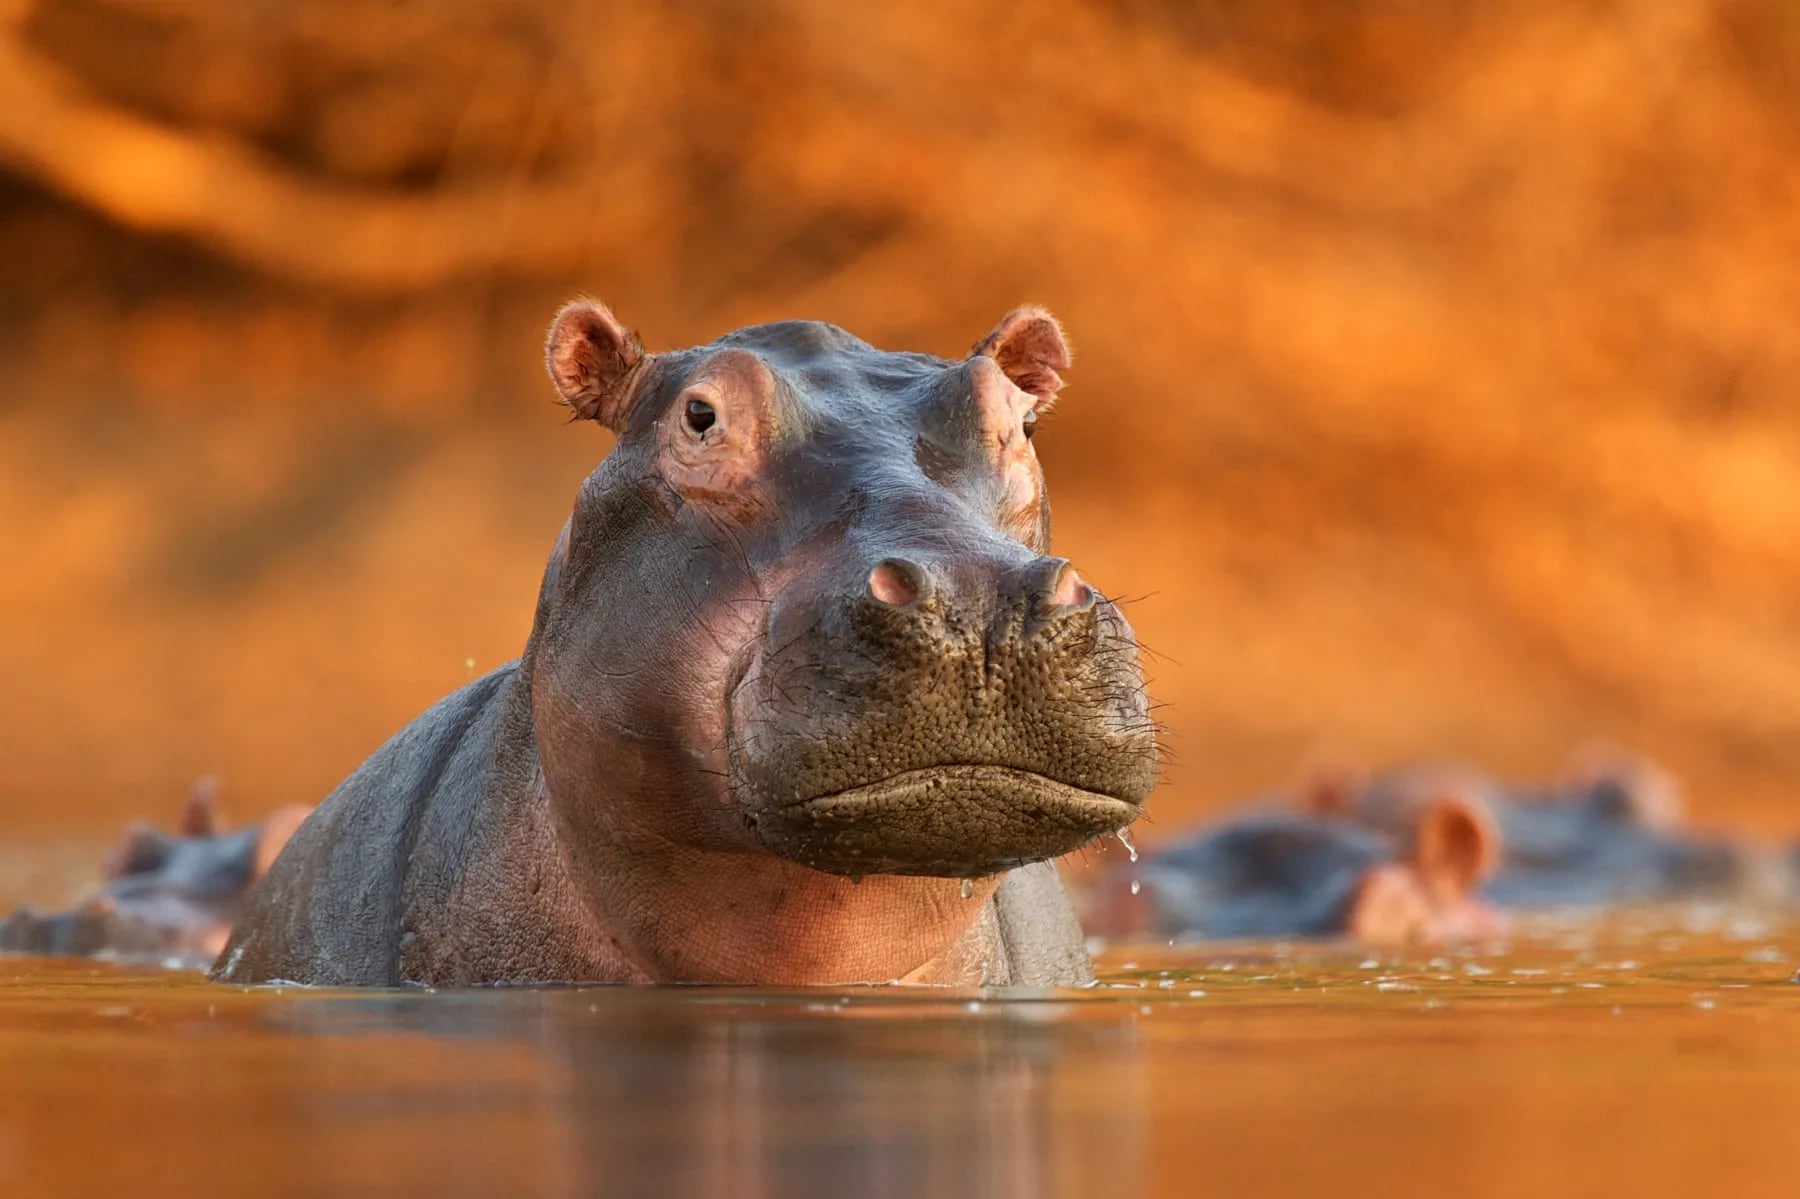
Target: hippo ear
1456, 844
590, 356
1327, 784
200, 814
1029, 346
1623, 786
143, 850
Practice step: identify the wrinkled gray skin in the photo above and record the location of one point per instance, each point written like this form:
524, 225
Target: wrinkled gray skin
794, 676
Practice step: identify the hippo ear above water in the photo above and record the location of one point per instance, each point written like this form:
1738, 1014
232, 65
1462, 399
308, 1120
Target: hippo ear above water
1456, 844
1029, 346
590, 357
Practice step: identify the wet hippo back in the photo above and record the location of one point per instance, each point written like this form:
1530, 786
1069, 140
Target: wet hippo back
805, 699
333, 910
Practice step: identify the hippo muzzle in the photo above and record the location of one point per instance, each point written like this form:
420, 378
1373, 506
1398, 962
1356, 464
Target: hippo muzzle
953, 718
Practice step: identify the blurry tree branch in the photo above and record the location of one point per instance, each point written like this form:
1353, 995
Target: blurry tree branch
216, 190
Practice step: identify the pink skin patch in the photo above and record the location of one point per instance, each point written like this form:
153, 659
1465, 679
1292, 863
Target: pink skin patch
723, 461
890, 584
1394, 906
1002, 406
1072, 590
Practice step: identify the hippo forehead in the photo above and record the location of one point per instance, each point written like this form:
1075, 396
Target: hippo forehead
830, 375
833, 423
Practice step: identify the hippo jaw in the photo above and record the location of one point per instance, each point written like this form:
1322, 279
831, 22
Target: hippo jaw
951, 741
920, 822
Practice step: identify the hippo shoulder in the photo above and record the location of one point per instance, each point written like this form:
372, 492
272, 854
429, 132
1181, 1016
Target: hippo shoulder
330, 910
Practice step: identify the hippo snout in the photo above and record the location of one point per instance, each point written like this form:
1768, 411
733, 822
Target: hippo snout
1049, 587
951, 715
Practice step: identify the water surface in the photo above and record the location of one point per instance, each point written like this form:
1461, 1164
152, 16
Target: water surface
1656, 1055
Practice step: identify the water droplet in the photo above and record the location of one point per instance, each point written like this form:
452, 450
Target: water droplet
1124, 836
968, 888
1136, 886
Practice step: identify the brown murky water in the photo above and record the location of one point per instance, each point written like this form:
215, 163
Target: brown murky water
1658, 1055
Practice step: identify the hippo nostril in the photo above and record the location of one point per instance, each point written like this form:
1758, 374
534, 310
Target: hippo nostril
1071, 589
1060, 588
897, 582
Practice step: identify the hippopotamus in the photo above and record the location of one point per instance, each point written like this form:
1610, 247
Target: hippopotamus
806, 699
1609, 831
164, 895
1278, 871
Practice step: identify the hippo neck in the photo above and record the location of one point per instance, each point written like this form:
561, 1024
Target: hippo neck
661, 912
708, 916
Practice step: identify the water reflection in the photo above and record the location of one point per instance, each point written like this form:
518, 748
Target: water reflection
1647, 1058
707, 1092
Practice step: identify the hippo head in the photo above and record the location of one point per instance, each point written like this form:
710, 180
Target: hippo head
1609, 831
1279, 872
807, 607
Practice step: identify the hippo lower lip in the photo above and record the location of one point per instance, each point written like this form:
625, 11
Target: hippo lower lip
947, 821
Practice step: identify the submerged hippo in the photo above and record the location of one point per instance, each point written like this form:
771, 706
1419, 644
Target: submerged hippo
1609, 831
1276, 871
163, 894
805, 699
1431, 851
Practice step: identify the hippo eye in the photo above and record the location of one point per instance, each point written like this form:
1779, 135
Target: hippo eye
700, 416
1030, 422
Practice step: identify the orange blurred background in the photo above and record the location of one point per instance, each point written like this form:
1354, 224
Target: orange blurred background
1435, 386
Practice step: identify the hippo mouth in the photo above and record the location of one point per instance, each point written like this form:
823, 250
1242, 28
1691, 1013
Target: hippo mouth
963, 821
